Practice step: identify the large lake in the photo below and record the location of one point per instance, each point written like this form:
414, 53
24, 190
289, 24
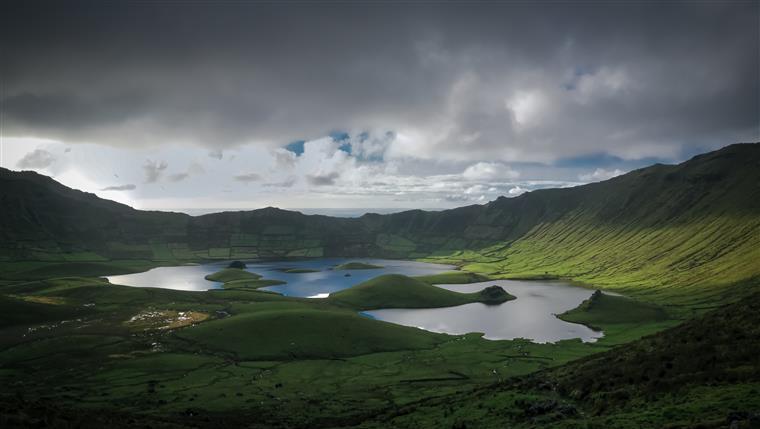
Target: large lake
530, 316
324, 280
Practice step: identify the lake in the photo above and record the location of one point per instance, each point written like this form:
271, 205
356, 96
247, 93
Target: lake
323, 281
530, 316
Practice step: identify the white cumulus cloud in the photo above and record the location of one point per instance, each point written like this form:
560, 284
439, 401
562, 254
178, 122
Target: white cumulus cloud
489, 171
600, 174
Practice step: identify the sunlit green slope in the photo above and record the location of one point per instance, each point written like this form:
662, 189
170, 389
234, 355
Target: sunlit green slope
688, 230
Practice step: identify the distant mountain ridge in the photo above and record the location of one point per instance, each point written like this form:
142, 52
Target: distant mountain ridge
684, 224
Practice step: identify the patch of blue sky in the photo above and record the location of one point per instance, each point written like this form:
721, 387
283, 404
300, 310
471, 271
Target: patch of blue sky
297, 147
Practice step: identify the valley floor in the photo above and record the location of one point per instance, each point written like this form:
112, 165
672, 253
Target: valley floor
79, 351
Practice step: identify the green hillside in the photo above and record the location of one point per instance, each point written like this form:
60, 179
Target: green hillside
687, 232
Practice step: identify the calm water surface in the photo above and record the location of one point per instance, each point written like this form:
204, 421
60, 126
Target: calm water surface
530, 316
323, 281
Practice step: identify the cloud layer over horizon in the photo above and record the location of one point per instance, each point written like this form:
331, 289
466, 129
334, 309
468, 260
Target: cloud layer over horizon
341, 100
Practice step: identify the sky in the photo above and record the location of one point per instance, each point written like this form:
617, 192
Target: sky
200, 106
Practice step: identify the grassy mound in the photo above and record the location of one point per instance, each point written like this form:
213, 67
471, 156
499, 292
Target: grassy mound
453, 277
231, 274
356, 266
398, 291
601, 310
494, 295
284, 331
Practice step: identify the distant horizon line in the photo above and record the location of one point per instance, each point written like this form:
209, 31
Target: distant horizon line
329, 211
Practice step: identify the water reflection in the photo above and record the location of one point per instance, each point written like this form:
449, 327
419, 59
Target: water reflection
530, 316
324, 280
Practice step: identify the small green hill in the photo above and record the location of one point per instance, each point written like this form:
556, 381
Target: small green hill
603, 309
357, 266
231, 274
234, 278
399, 291
284, 331
493, 295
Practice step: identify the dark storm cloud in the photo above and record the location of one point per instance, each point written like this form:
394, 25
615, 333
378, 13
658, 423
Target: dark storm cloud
475, 81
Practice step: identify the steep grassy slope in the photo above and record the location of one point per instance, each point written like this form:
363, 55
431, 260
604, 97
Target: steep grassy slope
686, 231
